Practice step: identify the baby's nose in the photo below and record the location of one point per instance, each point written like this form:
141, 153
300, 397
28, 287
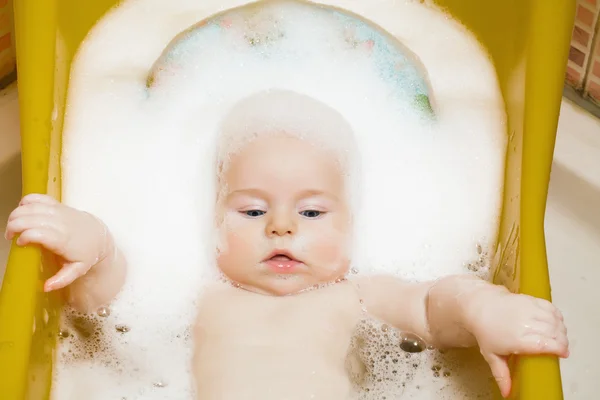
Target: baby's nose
281, 232
281, 225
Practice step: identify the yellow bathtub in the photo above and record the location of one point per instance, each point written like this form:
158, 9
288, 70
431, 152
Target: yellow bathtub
528, 41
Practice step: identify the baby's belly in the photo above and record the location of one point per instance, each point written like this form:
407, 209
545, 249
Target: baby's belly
261, 372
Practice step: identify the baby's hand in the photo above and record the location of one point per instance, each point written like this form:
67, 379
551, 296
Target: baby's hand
505, 323
79, 239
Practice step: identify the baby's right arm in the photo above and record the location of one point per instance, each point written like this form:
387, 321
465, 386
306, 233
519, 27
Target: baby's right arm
91, 266
462, 311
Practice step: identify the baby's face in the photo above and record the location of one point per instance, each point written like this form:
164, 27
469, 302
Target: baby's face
283, 217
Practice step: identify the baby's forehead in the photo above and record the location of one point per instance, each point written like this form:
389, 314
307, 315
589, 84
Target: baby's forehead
265, 145
277, 150
282, 156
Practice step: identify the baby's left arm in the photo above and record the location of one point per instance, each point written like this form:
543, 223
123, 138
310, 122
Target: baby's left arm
463, 311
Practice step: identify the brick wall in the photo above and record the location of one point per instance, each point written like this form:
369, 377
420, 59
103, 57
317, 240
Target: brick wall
583, 69
7, 51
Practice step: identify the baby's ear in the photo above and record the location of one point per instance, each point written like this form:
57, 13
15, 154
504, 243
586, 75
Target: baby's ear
221, 184
220, 170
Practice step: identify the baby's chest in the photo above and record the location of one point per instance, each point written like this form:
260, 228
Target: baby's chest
327, 318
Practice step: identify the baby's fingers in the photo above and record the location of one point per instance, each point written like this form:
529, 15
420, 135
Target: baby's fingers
38, 198
500, 371
536, 344
549, 309
67, 275
31, 221
47, 237
32, 209
553, 331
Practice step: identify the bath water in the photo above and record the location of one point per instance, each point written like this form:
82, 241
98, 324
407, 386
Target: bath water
138, 144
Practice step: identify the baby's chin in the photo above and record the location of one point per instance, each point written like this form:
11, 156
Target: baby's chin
287, 285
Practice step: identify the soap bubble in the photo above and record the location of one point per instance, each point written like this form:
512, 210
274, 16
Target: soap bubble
411, 343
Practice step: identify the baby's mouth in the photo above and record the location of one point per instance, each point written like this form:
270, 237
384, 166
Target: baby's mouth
281, 257
282, 262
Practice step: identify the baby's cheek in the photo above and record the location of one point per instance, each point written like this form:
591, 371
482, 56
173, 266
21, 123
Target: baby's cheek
235, 253
332, 248
236, 231
342, 223
237, 242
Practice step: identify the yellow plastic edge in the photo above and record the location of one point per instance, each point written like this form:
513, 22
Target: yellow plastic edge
537, 31
529, 42
550, 35
27, 316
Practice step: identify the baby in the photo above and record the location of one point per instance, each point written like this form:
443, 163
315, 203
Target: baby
280, 325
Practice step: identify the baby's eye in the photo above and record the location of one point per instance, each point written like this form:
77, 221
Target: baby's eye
254, 213
311, 213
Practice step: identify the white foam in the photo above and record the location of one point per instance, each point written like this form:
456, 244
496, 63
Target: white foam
142, 161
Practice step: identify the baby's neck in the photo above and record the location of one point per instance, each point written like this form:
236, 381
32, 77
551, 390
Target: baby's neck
239, 286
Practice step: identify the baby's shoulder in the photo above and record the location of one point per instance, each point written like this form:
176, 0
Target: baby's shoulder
216, 297
344, 292
340, 298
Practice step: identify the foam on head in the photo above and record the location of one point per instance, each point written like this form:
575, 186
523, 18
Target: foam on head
285, 112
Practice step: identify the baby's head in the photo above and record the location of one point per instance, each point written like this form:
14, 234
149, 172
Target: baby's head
283, 209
